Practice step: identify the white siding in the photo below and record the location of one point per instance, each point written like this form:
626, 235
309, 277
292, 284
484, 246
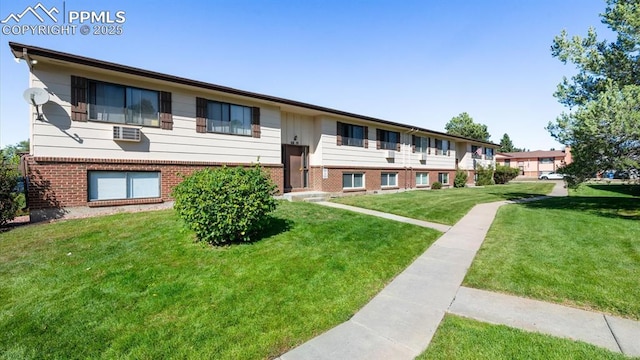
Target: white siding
58, 136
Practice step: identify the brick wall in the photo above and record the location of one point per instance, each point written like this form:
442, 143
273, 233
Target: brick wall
62, 182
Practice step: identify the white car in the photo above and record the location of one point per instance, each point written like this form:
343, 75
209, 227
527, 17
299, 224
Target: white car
551, 176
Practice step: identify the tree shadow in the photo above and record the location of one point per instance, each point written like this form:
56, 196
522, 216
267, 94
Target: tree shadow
42, 197
609, 207
516, 195
625, 189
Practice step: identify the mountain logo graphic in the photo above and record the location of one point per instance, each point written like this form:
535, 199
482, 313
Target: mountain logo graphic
34, 12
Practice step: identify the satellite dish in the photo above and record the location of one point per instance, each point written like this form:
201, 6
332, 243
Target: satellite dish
36, 97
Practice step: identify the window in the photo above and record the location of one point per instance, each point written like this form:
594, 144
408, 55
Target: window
122, 104
443, 178
228, 118
352, 135
111, 185
546, 160
421, 144
476, 152
352, 180
388, 140
488, 153
389, 179
442, 147
422, 178
507, 162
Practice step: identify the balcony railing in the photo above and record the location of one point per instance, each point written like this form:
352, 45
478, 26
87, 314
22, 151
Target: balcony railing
352, 141
388, 145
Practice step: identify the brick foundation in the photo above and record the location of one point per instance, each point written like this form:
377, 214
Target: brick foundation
406, 178
56, 183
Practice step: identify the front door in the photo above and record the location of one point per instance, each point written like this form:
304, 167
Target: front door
296, 170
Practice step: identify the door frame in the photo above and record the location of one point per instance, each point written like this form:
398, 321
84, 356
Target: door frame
304, 171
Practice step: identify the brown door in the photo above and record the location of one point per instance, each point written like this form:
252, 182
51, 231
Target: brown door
295, 167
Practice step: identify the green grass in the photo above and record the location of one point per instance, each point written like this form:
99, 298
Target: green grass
461, 338
583, 251
444, 206
136, 286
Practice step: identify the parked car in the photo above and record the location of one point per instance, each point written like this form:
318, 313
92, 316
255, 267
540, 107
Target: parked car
621, 174
551, 176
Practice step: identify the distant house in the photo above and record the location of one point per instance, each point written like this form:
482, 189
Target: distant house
114, 135
535, 163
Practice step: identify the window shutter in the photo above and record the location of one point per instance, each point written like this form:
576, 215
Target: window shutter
339, 133
166, 116
429, 145
78, 98
378, 139
413, 143
366, 137
201, 115
399, 143
255, 122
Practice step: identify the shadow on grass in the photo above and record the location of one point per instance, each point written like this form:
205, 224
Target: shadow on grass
515, 195
274, 226
625, 189
609, 207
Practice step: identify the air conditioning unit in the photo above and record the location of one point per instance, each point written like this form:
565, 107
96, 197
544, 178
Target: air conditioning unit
389, 154
422, 157
126, 133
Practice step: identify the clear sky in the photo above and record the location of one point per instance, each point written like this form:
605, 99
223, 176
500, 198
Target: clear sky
413, 62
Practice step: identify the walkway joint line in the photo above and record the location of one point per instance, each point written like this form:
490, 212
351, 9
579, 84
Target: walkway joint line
612, 333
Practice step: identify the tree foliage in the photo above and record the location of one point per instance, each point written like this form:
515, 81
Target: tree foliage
602, 127
504, 174
603, 134
506, 145
484, 175
9, 204
463, 125
11, 153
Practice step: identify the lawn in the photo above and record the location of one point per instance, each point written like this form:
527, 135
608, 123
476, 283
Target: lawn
582, 251
444, 206
137, 286
461, 338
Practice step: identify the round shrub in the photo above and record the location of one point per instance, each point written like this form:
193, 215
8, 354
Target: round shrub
460, 180
436, 185
224, 205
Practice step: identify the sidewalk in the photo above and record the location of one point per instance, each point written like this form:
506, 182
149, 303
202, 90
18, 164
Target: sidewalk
610, 332
400, 321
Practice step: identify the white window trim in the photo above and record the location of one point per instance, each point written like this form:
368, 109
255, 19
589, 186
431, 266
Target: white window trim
352, 180
442, 182
388, 174
427, 183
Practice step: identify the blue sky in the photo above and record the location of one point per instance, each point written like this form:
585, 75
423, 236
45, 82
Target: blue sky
414, 62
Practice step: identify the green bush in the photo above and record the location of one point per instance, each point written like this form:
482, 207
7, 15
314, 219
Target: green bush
9, 203
436, 185
460, 180
504, 174
485, 175
225, 204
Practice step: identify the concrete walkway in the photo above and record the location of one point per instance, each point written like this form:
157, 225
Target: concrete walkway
614, 333
427, 224
400, 321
